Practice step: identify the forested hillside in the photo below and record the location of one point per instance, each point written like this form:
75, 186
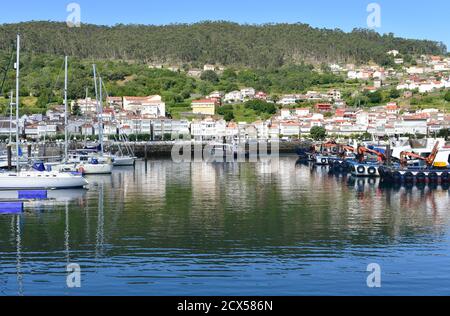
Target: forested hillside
256, 46
42, 78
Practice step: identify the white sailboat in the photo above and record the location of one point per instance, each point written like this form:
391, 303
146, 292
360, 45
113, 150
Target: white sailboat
35, 179
97, 164
84, 163
123, 161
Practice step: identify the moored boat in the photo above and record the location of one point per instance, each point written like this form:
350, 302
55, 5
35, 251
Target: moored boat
435, 168
41, 180
35, 179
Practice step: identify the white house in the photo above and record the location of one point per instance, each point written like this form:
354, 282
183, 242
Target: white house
288, 100
289, 128
204, 129
302, 112
87, 106
248, 93
233, 97
151, 105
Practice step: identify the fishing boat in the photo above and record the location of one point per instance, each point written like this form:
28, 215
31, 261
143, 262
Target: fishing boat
422, 147
326, 154
364, 165
35, 179
306, 155
435, 168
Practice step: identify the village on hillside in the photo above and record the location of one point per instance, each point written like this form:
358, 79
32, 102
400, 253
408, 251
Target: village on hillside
295, 115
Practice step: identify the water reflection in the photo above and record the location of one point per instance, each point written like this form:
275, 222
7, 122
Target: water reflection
188, 228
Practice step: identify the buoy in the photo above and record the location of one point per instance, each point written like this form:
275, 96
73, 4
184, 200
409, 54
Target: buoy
81, 170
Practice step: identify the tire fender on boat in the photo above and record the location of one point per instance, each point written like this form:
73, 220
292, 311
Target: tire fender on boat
397, 176
361, 169
372, 171
409, 176
433, 176
421, 176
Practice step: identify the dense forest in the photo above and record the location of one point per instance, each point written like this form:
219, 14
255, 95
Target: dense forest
276, 59
225, 43
42, 78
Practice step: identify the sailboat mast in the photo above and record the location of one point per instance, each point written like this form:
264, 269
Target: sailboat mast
99, 109
11, 104
66, 123
101, 116
17, 103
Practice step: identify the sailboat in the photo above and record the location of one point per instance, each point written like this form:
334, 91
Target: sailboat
83, 162
35, 179
91, 162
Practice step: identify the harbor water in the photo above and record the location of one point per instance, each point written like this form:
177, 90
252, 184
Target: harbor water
164, 228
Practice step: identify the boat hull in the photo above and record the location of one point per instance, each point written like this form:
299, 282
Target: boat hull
40, 180
415, 175
95, 168
364, 169
124, 161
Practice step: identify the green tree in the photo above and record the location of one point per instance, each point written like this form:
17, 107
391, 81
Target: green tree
229, 116
210, 76
375, 97
394, 94
318, 133
260, 106
447, 96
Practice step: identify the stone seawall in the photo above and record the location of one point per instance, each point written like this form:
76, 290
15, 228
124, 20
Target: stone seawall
152, 150
148, 149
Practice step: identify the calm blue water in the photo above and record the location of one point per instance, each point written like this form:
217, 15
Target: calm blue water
229, 229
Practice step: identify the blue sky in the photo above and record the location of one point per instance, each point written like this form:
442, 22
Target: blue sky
408, 18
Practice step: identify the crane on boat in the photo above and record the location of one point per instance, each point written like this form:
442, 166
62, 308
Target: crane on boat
429, 160
361, 151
